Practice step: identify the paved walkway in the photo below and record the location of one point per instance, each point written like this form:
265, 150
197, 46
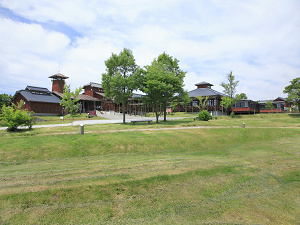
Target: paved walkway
109, 118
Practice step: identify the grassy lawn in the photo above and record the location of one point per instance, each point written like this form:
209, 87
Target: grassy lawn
58, 120
154, 175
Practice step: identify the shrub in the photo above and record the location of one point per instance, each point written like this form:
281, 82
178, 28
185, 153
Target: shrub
13, 116
204, 115
232, 114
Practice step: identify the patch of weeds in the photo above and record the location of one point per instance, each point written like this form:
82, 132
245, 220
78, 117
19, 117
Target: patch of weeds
293, 176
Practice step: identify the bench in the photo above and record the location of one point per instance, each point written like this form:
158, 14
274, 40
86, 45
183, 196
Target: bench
134, 121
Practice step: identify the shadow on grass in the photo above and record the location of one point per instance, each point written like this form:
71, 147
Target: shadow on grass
294, 115
164, 123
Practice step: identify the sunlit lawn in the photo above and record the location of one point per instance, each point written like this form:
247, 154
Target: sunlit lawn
154, 175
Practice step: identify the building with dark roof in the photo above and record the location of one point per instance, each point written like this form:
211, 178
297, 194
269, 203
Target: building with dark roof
39, 100
214, 98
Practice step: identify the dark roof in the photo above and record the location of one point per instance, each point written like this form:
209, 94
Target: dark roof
45, 97
59, 75
39, 89
204, 83
92, 84
204, 92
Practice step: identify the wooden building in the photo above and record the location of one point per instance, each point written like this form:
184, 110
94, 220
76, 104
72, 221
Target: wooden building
279, 105
39, 100
214, 98
245, 106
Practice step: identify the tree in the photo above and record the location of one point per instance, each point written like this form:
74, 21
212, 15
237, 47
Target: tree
159, 85
293, 91
120, 78
241, 96
226, 102
14, 116
202, 102
70, 99
172, 66
269, 105
185, 99
229, 90
230, 87
5, 99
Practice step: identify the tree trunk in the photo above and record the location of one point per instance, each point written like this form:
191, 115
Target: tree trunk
165, 112
123, 107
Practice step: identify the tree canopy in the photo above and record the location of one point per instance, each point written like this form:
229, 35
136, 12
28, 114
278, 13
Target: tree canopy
293, 91
120, 78
162, 82
70, 99
14, 116
230, 87
230, 90
171, 65
5, 99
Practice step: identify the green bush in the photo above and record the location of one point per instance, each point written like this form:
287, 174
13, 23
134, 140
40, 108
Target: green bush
13, 116
204, 115
232, 114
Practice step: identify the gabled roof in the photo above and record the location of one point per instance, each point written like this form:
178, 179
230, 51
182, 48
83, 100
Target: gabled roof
278, 99
46, 97
204, 92
92, 84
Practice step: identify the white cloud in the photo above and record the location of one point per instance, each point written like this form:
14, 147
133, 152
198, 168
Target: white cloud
257, 40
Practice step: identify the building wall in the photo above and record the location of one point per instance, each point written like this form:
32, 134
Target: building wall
39, 107
20, 97
91, 91
58, 85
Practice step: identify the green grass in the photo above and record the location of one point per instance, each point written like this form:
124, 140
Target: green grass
151, 175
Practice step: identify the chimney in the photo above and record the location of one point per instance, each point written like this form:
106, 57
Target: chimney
58, 82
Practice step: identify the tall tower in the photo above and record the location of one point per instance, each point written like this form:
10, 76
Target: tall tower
58, 82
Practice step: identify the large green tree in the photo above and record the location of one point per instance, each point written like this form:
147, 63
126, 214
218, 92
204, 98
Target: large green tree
172, 65
120, 78
160, 86
5, 99
70, 99
293, 91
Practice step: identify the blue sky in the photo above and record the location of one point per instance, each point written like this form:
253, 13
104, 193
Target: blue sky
257, 40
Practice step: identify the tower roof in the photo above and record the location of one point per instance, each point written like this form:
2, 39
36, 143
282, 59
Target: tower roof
204, 83
58, 75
